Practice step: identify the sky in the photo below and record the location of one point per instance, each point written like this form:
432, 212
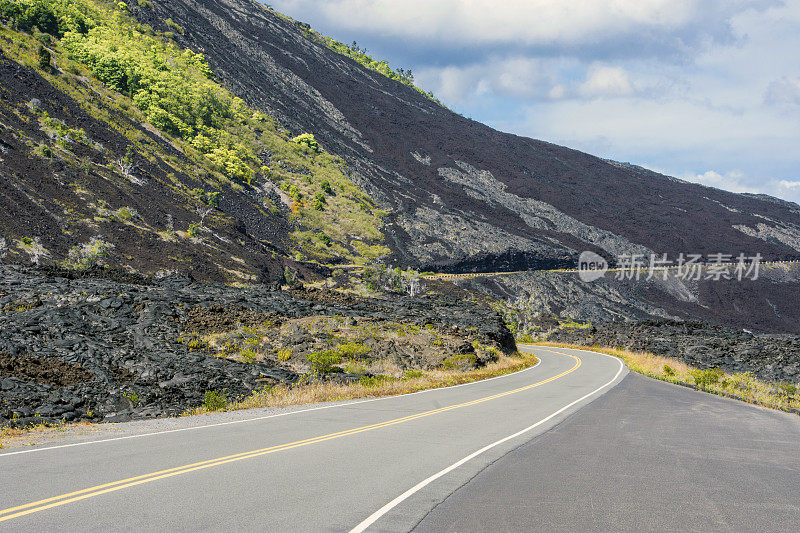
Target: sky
704, 90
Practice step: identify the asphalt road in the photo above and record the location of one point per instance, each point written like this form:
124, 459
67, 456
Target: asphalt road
382, 463
647, 456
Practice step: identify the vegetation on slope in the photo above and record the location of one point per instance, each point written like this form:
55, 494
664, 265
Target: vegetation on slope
227, 144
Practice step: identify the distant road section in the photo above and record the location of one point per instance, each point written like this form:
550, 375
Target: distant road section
472, 275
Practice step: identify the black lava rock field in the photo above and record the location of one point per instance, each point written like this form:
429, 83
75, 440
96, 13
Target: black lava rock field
74, 348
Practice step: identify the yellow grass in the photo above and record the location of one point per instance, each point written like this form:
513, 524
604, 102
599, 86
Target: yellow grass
326, 391
10, 436
742, 385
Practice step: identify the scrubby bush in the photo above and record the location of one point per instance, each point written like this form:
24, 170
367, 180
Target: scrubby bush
215, 400
668, 371
324, 239
308, 140
460, 361
352, 350
375, 381
323, 361
787, 388
743, 381
44, 57
704, 378
326, 187
38, 14
88, 255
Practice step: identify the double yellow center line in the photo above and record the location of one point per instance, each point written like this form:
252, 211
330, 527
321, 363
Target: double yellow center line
91, 492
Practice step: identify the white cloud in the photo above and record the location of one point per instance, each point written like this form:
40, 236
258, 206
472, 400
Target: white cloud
514, 77
557, 92
531, 22
783, 91
730, 181
648, 125
786, 184
606, 81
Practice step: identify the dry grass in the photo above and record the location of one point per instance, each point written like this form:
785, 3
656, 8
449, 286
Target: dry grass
326, 391
35, 434
743, 386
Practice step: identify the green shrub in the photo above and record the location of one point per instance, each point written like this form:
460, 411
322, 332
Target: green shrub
668, 370
215, 400
132, 396
211, 198
85, 256
284, 355
460, 361
704, 378
411, 374
742, 381
352, 350
10, 10
174, 25
324, 239
375, 381
308, 140
319, 201
249, 355
38, 14
323, 361
326, 187
787, 388
126, 213
194, 230
44, 57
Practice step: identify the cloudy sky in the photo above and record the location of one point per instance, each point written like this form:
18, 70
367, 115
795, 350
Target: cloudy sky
706, 90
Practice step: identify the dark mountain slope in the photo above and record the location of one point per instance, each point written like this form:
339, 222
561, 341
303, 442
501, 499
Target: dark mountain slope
63, 201
459, 192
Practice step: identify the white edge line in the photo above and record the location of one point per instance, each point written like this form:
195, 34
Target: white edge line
127, 437
374, 517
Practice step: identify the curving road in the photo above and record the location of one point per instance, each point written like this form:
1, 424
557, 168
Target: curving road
381, 463
571, 444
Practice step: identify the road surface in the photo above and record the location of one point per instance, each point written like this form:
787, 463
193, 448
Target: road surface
647, 456
337, 468
526, 451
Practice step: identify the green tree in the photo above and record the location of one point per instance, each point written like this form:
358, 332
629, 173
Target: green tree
44, 57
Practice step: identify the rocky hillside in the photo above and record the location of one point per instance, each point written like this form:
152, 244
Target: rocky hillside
121, 147
460, 195
223, 138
